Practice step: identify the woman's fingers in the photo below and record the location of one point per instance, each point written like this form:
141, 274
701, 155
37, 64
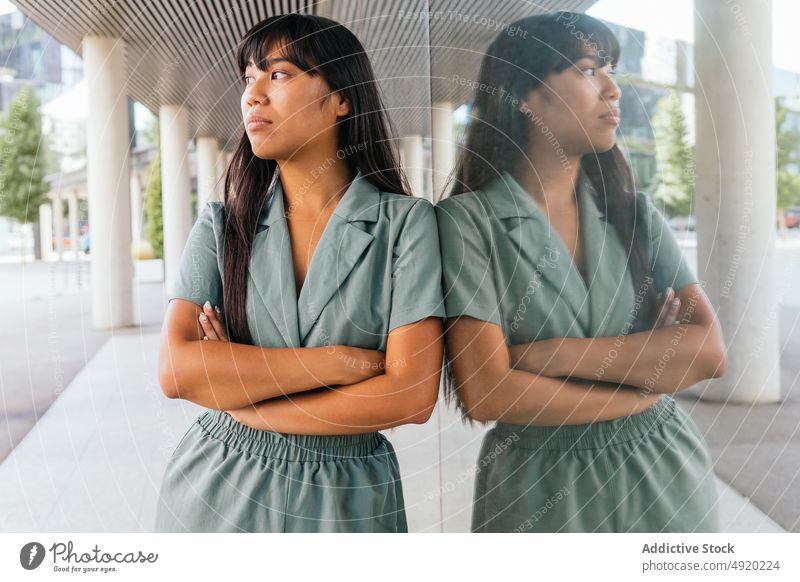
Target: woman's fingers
214, 318
672, 312
208, 329
666, 303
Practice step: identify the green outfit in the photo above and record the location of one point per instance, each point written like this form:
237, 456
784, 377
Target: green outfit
504, 264
376, 267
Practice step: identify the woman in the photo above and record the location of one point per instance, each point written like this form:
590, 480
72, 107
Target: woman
553, 267
302, 360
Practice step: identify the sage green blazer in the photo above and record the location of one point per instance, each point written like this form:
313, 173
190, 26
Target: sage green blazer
376, 267
503, 263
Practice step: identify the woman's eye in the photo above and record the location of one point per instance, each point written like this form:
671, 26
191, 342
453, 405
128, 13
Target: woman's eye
591, 71
278, 73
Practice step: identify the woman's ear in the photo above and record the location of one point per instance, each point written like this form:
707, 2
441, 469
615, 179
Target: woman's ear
343, 108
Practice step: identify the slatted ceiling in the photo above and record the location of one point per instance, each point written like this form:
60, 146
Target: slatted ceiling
457, 47
182, 52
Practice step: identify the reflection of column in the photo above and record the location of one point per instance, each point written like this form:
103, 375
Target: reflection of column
109, 197
74, 224
222, 166
735, 167
58, 224
443, 145
206, 155
136, 207
46, 230
413, 163
176, 187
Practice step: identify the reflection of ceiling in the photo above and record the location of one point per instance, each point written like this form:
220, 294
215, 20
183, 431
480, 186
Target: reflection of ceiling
181, 52
461, 30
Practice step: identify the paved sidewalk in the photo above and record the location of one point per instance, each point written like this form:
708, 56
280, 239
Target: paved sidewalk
94, 461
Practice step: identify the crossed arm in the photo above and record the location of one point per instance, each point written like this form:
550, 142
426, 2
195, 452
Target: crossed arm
554, 382
666, 359
288, 389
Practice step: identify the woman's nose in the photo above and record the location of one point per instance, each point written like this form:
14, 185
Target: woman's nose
257, 93
612, 90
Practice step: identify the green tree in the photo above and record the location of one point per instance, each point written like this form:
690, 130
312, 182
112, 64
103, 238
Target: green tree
787, 159
674, 190
22, 160
153, 205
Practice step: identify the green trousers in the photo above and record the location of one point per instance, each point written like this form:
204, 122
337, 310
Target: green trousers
648, 472
225, 476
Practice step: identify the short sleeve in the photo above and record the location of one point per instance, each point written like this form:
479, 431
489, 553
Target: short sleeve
416, 268
467, 276
667, 262
198, 279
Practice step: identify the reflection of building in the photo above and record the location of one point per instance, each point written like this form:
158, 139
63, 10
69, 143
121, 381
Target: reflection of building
35, 59
31, 57
650, 68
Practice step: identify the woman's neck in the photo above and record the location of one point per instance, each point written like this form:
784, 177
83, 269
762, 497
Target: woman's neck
313, 188
550, 178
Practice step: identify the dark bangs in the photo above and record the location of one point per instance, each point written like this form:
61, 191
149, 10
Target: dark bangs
297, 36
586, 36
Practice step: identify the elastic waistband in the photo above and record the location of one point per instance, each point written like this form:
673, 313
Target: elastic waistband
291, 447
589, 436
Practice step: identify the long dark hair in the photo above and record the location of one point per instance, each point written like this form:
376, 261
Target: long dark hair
318, 46
497, 136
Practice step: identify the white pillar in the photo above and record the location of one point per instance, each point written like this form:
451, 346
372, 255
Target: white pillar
176, 189
735, 185
206, 157
46, 230
58, 224
136, 207
74, 224
222, 167
413, 157
443, 146
109, 197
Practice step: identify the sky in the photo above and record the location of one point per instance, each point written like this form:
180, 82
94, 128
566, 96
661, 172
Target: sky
653, 16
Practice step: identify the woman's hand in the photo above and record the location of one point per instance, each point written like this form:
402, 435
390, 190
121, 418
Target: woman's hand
212, 324
670, 306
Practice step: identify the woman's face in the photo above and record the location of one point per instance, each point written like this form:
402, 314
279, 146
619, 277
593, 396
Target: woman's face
576, 109
291, 103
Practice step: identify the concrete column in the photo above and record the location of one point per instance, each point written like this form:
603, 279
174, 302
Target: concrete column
443, 147
735, 185
74, 224
46, 229
58, 224
136, 207
109, 197
206, 157
176, 189
413, 157
222, 167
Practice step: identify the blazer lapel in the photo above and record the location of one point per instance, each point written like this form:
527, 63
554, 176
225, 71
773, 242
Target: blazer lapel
341, 246
609, 279
533, 237
271, 267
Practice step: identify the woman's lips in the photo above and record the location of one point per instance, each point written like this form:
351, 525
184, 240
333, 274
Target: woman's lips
255, 122
611, 116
